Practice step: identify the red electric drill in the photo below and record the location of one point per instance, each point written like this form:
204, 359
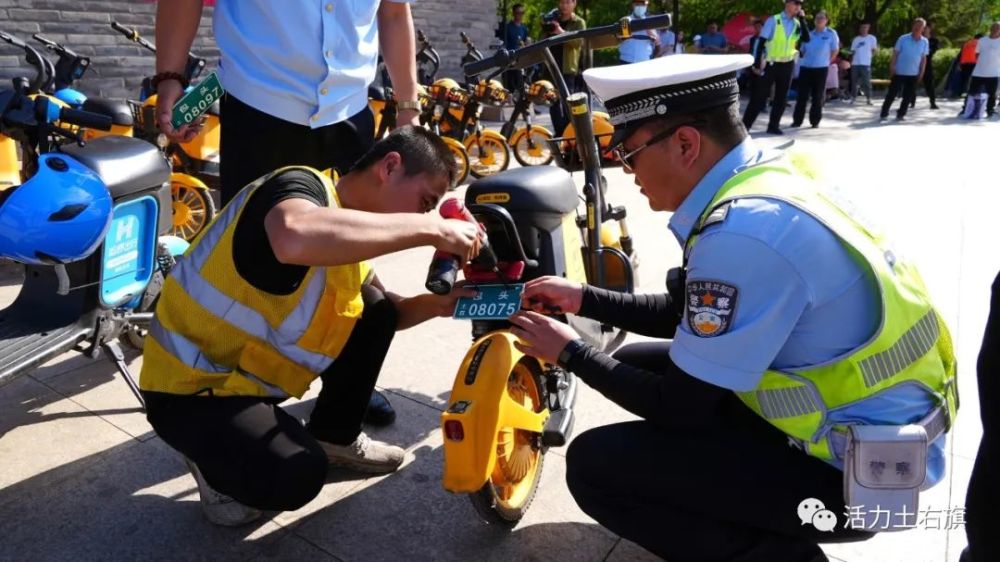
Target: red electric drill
444, 266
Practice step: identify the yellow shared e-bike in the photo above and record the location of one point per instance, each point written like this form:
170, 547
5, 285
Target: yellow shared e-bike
506, 408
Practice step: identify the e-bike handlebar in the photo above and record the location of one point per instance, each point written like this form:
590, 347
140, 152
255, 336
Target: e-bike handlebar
86, 119
34, 58
52, 45
133, 35
195, 64
599, 37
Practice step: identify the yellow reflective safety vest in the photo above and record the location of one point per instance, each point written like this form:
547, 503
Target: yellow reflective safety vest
215, 333
781, 47
911, 346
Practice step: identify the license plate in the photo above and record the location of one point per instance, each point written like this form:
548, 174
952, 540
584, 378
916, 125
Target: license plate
197, 100
492, 302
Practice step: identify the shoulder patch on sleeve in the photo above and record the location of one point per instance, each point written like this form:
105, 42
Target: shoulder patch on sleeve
711, 306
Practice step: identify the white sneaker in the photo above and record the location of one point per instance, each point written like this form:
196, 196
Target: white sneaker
220, 509
365, 455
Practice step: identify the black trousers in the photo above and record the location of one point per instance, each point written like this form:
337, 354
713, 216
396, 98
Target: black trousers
715, 483
982, 519
929, 85
966, 75
812, 84
908, 86
560, 120
779, 75
254, 143
250, 449
513, 80
989, 85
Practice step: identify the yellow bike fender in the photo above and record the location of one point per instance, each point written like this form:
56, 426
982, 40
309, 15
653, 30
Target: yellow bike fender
516, 137
452, 142
480, 403
10, 166
187, 181
471, 139
205, 145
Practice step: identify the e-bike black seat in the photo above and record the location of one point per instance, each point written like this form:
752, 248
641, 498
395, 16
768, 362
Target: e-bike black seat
126, 165
535, 189
118, 110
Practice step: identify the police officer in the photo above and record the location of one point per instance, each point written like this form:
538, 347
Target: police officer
784, 33
790, 321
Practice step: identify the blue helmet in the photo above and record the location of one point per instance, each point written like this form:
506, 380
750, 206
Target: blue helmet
60, 215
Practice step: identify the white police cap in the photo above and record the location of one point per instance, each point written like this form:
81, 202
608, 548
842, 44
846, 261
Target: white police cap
666, 86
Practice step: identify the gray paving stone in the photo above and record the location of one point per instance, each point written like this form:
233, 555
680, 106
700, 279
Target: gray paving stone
137, 502
293, 548
409, 514
415, 422
99, 388
45, 438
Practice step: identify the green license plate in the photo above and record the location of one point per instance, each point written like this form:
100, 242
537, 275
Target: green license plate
492, 302
197, 100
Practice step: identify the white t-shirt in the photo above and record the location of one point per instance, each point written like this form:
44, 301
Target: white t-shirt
667, 41
863, 48
989, 58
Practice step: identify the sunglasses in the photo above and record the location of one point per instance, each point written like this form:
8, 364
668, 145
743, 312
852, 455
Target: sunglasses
625, 158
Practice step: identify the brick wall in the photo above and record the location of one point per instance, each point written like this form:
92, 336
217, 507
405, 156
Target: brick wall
118, 66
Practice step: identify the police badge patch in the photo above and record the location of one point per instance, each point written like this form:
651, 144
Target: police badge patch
710, 307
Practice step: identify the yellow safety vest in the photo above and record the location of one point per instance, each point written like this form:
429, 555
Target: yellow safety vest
781, 47
216, 333
912, 345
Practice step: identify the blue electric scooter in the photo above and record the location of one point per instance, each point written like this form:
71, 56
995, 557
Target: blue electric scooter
87, 223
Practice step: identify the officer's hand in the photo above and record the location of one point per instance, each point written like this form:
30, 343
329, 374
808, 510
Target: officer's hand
552, 295
168, 92
541, 336
458, 237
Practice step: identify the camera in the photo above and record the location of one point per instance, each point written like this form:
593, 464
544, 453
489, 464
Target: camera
550, 20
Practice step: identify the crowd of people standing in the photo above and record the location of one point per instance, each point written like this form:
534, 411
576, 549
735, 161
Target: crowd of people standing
809, 64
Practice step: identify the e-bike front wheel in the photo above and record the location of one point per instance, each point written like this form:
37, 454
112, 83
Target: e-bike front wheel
507, 495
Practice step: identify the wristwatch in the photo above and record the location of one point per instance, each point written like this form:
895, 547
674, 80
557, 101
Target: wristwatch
569, 351
408, 104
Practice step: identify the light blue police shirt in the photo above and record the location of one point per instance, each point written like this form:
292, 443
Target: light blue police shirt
636, 50
910, 52
820, 49
305, 61
800, 300
767, 32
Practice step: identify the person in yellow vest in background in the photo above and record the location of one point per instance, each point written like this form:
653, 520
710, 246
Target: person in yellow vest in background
784, 33
807, 362
275, 293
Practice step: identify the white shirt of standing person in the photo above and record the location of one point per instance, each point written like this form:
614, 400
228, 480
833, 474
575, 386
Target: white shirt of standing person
667, 42
989, 58
863, 49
